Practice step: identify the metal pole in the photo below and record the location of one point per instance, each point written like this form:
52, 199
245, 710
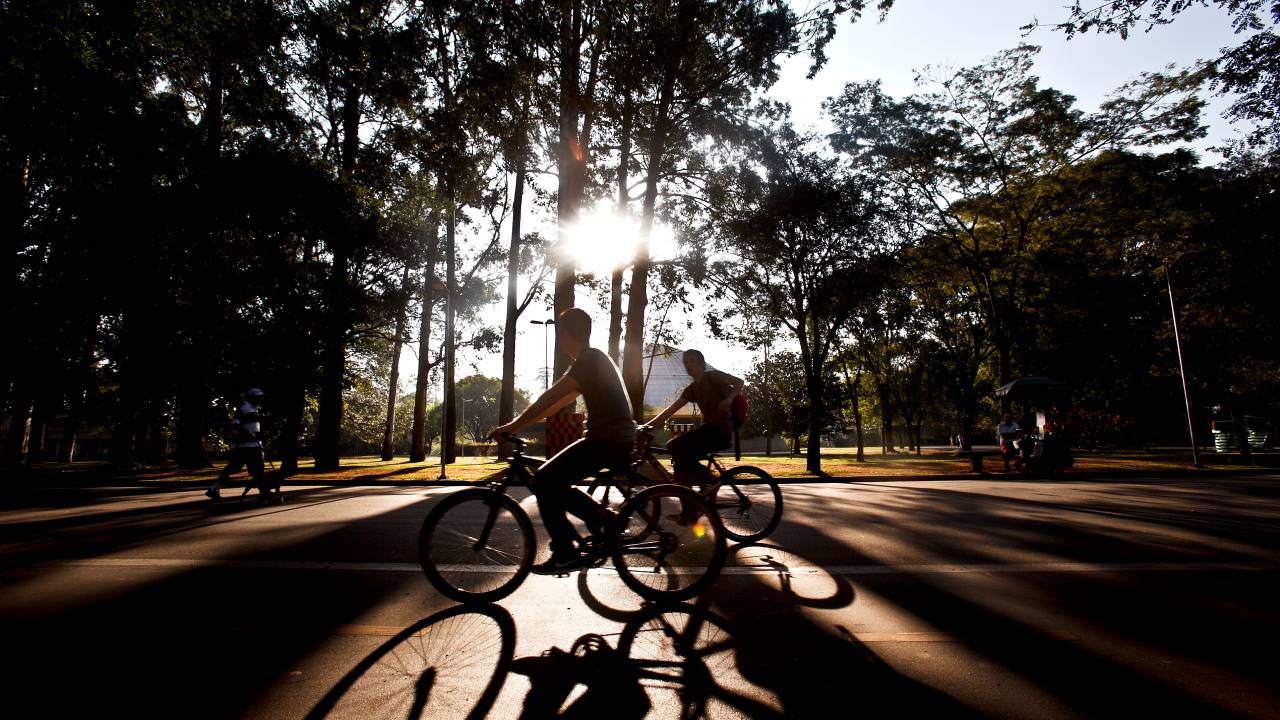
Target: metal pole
444, 390
465, 400
1182, 372
768, 403
546, 366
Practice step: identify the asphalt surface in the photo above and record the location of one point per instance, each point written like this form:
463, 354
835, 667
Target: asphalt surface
1081, 598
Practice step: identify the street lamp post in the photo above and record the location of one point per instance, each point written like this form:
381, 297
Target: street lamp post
464, 422
1182, 372
546, 369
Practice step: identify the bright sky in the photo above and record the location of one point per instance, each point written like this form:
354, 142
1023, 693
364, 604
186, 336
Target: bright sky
916, 33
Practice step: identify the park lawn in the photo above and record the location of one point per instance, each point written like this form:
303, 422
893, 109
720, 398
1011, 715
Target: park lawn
842, 463
836, 463
367, 468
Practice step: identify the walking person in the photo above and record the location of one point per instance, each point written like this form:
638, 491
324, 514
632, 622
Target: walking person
246, 447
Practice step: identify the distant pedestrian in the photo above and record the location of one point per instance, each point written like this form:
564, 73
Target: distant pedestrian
1009, 432
246, 447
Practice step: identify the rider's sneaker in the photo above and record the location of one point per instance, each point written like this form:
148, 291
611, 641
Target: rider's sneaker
560, 564
213, 494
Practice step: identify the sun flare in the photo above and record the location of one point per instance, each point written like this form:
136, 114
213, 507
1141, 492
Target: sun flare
601, 241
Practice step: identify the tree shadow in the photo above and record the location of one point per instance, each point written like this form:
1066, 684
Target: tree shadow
795, 652
179, 638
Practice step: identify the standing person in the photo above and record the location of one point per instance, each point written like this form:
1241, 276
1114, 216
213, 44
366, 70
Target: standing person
713, 392
608, 442
246, 446
1009, 432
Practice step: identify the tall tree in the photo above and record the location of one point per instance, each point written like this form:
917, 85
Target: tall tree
974, 152
1248, 72
699, 65
802, 241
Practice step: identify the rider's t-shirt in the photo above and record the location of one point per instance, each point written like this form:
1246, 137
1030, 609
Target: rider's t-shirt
608, 405
708, 392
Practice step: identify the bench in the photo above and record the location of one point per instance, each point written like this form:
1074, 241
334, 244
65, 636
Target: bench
975, 458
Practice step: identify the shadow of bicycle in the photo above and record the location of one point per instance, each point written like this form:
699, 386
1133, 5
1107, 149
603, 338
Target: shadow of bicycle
450, 665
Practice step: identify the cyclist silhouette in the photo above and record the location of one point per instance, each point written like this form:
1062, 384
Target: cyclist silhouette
713, 392
608, 441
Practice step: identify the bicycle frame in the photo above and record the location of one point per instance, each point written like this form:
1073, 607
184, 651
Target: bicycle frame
520, 471
648, 455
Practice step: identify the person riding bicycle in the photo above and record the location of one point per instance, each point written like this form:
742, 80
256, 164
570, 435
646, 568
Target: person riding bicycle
608, 442
713, 392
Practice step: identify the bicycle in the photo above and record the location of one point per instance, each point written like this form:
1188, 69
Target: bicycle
477, 545
746, 498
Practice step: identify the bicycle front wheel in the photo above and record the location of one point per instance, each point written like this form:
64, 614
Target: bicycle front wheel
668, 543
749, 502
476, 545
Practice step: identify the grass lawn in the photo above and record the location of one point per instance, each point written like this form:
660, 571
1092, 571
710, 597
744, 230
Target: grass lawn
836, 462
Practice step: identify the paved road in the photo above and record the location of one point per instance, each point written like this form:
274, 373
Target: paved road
966, 598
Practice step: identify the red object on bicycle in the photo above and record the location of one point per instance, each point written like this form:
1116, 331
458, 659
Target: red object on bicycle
739, 410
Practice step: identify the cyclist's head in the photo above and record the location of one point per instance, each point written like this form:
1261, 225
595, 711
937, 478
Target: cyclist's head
574, 324
254, 396
694, 363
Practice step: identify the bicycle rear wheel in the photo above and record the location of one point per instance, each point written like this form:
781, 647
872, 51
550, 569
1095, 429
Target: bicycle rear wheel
749, 502
659, 557
476, 545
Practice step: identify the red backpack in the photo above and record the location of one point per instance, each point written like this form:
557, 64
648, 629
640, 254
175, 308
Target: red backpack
739, 411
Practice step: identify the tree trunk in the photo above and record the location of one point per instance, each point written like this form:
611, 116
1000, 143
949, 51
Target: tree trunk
450, 420
389, 432
768, 404
194, 400
970, 411
13, 204
72, 425
615, 288
813, 458
329, 421
507, 395
35, 442
417, 449
854, 383
638, 297
15, 447
886, 420
1005, 354
570, 161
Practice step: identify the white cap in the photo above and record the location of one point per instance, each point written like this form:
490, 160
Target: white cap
254, 392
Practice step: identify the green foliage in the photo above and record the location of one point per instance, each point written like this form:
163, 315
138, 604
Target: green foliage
1249, 73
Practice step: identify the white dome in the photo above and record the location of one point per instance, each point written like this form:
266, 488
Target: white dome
665, 380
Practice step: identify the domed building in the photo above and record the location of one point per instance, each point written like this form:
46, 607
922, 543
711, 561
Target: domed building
665, 379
